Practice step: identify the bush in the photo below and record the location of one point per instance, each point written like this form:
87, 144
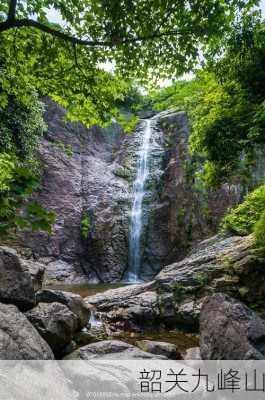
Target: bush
259, 231
85, 225
241, 219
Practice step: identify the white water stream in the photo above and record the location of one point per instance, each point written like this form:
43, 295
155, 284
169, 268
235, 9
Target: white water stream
136, 221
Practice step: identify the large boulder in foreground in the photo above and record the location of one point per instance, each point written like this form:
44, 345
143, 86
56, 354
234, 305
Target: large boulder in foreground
115, 349
19, 340
16, 286
230, 330
55, 323
73, 301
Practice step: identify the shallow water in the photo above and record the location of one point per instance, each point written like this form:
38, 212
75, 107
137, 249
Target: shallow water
182, 340
85, 290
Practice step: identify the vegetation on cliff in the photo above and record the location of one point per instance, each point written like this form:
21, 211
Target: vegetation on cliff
241, 220
21, 126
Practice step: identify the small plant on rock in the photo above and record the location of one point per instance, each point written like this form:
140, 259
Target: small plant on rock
85, 225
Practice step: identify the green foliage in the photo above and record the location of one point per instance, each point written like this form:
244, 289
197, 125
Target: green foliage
7, 166
21, 126
229, 120
85, 225
202, 278
241, 219
228, 264
226, 104
181, 212
143, 39
17, 183
182, 95
128, 124
259, 231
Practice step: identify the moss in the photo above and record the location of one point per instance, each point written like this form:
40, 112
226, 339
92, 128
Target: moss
179, 292
65, 148
243, 291
181, 215
228, 264
259, 231
202, 278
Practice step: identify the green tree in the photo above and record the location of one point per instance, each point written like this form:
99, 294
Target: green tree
141, 38
21, 127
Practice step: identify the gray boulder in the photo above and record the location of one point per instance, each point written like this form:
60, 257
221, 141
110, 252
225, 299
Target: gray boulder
55, 323
168, 350
230, 330
16, 286
73, 301
114, 349
19, 340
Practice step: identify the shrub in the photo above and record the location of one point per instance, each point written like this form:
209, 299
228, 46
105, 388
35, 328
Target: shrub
7, 166
241, 219
85, 225
259, 231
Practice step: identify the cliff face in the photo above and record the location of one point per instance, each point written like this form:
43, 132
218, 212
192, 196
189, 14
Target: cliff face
91, 171
186, 213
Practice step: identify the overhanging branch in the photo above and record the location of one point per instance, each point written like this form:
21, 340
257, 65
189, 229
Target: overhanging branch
20, 23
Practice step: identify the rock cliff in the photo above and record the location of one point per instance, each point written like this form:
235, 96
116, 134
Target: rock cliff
88, 174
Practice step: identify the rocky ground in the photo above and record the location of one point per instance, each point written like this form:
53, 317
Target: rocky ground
204, 293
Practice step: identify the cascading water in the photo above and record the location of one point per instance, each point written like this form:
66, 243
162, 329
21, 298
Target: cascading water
136, 222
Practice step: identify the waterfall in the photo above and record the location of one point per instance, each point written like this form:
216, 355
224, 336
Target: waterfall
94, 321
136, 222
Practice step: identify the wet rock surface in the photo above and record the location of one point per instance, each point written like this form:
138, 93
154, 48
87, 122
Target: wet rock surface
230, 330
19, 340
16, 286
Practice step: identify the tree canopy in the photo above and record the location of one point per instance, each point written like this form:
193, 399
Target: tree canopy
142, 39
